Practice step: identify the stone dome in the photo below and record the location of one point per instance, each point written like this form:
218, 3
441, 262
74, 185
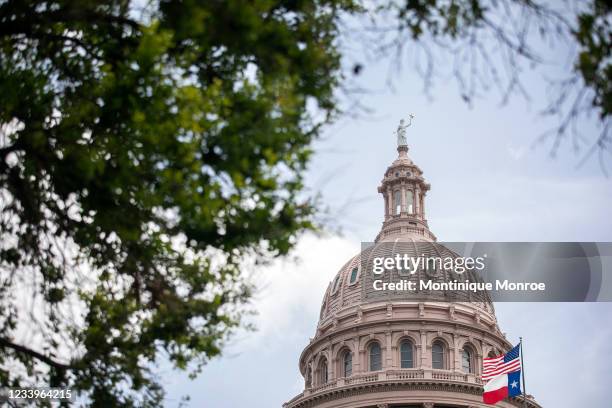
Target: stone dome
352, 285
392, 349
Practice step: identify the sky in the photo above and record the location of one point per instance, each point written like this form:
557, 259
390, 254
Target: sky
489, 181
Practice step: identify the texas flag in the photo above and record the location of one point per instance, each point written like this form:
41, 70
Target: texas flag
502, 375
502, 386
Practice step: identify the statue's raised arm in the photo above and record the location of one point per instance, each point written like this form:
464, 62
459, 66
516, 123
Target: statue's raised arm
401, 131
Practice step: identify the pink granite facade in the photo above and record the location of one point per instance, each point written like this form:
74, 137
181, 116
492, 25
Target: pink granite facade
381, 352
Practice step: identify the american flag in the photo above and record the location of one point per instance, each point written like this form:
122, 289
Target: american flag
504, 364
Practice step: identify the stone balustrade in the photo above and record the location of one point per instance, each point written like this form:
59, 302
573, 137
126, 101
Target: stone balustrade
424, 232
391, 375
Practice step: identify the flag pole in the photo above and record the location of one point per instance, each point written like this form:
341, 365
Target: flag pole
523, 373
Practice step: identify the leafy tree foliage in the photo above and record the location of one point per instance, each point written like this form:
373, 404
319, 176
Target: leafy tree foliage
145, 152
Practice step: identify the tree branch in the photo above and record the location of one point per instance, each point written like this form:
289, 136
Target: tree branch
5, 343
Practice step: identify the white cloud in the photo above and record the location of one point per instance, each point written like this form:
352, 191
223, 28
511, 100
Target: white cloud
292, 289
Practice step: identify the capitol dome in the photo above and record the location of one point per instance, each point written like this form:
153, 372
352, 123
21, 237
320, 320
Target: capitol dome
386, 349
353, 286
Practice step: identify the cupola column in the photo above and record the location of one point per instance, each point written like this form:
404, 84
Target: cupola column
422, 202
403, 199
386, 206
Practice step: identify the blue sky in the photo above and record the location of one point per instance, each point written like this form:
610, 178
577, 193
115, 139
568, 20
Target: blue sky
489, 183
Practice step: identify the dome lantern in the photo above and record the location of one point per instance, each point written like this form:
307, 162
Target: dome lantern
404, 190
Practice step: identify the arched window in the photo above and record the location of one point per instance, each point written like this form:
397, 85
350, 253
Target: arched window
336, 283
354, 274
437, 355
406, 354
409, 202
397, 202
323, 371
466, 360
347, 362
375, 357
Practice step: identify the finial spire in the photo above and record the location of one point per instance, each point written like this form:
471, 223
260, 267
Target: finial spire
401, 131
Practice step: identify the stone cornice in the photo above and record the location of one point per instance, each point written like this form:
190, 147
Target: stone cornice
383, 386
352, 311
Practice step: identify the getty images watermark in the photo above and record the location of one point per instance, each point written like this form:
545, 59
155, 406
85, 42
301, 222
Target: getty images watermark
434, 266
487, 271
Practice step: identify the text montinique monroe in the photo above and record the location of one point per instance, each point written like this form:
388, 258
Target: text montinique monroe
431, 265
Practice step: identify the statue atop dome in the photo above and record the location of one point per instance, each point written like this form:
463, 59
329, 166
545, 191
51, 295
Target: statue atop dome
401, 131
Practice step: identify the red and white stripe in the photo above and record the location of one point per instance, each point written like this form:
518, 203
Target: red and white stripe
492, 367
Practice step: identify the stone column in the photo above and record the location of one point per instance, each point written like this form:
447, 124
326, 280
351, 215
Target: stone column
417, 205
309, 376
388, 353
403, 199
424, 348
390, 198
363, 361
456, 355
356, 356
386, 206
331, 370
422, 204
